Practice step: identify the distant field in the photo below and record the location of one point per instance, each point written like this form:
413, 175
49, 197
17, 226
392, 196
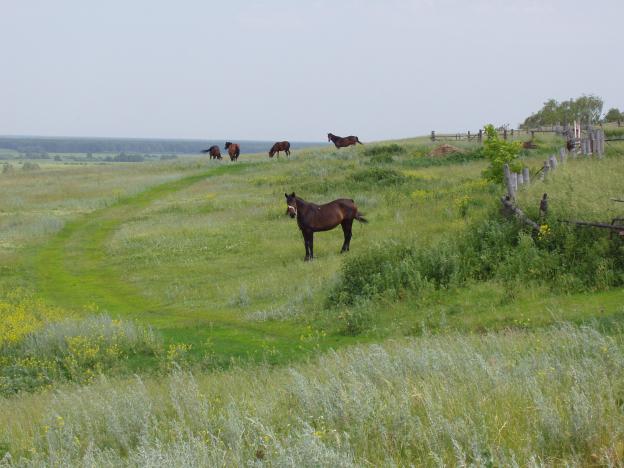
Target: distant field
203, 253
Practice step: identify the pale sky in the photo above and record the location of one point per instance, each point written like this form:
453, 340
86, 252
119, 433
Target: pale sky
296, 70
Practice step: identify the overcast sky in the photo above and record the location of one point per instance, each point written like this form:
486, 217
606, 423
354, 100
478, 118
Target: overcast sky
288, 69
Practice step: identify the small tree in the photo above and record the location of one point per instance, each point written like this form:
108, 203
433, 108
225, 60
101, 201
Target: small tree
499, 152
613, 115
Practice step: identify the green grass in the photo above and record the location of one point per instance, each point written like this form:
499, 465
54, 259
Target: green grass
204, 253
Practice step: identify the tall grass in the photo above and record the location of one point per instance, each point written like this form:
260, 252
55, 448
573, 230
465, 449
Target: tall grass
509, 399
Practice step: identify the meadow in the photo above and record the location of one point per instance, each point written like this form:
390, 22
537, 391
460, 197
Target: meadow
448, 335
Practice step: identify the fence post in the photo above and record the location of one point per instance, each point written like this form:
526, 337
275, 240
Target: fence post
563, 153
432, 135
508, 183
545, 170
526, 176
504, 134
520, 178
480, 135
601, 142
514, 182
552, 162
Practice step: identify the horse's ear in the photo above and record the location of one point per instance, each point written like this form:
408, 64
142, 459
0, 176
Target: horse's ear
286, 195
292, 194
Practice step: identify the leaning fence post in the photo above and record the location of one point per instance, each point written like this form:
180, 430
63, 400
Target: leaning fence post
525, 175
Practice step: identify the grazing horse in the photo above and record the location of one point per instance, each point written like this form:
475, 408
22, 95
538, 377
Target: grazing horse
233, 150
214, 152
280, 146
341, 142
313, 218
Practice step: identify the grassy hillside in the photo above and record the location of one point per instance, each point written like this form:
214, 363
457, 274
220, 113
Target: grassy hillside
146, 268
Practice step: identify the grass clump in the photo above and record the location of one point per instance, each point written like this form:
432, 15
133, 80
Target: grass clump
74, 350
378, 176
389, 270
515, 398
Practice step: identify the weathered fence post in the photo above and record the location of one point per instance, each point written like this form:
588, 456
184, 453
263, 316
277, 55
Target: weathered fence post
552, 161
526, 176
432, 135
545, 170
480, 135
504, 133
508, 182
514, 181
520, 179
563, 153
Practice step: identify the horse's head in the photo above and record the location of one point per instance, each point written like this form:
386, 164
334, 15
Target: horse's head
329, 136
291, 203
227, 144
272, 151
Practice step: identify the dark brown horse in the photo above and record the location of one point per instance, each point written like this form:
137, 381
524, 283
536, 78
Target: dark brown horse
341, 142
280, 146
313, 218
214, 152
233, 150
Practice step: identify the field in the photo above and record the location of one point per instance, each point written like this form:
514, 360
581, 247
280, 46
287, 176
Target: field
161, 313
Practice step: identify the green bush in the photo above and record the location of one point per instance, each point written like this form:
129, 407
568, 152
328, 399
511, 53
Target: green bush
499, 152
391, 269
378, 176
389, 150
72, 350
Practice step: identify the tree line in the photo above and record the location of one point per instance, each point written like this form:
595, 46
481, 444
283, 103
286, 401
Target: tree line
586, 109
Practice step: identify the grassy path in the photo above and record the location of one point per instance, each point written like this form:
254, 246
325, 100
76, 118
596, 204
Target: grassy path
75, 271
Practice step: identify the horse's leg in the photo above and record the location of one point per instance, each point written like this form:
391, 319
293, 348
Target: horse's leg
306, 241
346, 229
311, 245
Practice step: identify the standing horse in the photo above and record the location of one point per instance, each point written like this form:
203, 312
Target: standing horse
214, 152
341, 142
233, 150
280, 146
313, 218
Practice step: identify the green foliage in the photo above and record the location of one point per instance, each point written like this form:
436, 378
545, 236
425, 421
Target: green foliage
613, 115
378, 176
75, 350
355, 320
614, 132
390, 149
499, 152
389, 270
586, 109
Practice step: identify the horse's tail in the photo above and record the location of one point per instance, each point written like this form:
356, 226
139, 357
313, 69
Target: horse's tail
358, 140
360, 217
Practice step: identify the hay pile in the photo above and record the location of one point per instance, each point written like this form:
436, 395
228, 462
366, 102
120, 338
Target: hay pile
445, 149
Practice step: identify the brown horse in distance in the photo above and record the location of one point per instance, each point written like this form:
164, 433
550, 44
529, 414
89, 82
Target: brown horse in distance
214, 152
313, 218
280, 146
341, 142
233, 150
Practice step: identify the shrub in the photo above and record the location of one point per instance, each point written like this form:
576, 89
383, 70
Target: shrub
388, 150
499, 152
30, 166
378, 176
71, 349
390, 269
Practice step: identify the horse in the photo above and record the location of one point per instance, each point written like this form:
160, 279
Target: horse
214, 152
280, 146
341, 142
233, 150
313, 218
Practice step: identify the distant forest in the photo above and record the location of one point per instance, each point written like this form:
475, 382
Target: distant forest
128, 145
